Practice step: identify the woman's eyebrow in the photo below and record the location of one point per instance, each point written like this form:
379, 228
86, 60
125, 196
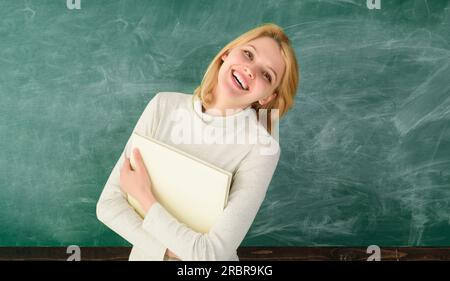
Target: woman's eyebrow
267, 65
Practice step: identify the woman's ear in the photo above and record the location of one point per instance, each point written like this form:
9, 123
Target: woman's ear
224, 56
268, 99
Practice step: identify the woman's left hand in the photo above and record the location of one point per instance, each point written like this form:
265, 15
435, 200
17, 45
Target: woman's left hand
137, 182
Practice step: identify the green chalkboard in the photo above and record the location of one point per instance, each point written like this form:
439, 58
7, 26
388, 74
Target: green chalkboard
365, 151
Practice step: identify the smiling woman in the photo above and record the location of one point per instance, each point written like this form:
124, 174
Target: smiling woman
249, 69
258, 70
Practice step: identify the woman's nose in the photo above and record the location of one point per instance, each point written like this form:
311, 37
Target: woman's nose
249, 73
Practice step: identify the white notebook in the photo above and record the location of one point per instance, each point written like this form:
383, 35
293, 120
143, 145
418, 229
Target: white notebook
192, 190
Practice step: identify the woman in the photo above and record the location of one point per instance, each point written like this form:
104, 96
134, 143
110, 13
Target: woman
255, 72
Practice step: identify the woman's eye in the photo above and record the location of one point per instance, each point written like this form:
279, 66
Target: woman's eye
248, 54
268, 77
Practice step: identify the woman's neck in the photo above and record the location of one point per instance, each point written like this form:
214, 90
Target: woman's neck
220, 109
219, 106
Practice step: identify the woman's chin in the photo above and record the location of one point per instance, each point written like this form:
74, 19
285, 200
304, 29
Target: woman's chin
234, 92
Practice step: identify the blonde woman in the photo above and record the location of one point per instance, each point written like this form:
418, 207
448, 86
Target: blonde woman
255, 72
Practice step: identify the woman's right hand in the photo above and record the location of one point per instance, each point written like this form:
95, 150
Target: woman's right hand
169, 253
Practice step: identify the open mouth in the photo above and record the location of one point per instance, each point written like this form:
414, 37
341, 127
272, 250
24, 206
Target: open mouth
238, 82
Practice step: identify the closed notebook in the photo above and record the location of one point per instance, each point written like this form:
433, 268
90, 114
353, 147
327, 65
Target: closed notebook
193, 191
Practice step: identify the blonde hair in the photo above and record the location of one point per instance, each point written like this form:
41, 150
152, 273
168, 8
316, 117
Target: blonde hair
287, 88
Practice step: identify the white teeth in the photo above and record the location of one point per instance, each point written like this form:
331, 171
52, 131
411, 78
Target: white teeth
239, 78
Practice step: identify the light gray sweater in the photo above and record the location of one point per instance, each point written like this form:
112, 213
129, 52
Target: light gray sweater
250, 163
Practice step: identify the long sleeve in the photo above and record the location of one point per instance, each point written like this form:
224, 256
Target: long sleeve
249, 186
112, 207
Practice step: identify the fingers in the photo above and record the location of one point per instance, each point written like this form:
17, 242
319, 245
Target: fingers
139, 161
126, 165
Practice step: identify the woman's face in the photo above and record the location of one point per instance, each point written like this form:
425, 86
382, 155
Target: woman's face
250, 73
